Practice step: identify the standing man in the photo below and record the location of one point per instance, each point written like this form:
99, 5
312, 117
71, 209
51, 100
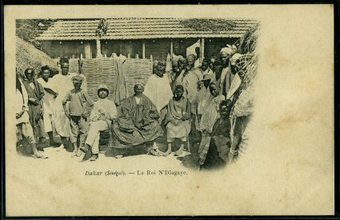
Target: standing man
226, 77
24, 127
35, 93
61, 84
48, 101
158, 88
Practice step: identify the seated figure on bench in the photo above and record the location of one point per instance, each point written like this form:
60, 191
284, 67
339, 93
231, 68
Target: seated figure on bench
102, 115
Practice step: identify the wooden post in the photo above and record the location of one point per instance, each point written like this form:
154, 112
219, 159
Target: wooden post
171, 47
143, 50
201, 50
98, 46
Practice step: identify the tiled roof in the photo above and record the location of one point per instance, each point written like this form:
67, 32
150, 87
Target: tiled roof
141, 28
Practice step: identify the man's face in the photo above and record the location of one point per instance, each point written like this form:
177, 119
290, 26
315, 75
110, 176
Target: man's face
160, 71
225, 59
213, 90
224, 111
191, 60
205, 65
139, 89
29, 75
64, 68
178, 93
182, 64
103, 94
46, 74
77, 84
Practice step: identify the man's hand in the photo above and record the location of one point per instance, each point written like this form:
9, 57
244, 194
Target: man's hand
67, 113
18, 115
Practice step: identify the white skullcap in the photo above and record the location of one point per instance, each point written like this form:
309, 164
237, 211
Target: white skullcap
234, 58
227, 50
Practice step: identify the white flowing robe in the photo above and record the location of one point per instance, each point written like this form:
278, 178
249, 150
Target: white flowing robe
158, 90
61, 84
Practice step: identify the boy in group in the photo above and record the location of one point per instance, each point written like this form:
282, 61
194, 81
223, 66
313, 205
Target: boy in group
103, 113
178, 120
77, 111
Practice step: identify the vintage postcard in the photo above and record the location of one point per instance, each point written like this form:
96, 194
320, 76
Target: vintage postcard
169, 110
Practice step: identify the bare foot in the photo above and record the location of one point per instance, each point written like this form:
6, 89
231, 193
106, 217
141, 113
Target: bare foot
40, 155
179, 152
167, 153
78, 153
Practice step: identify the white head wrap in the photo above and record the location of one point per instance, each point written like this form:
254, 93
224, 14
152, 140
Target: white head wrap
234, 58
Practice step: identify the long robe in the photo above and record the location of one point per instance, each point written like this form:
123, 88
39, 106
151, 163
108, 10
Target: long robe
61, 84
136, 123
179, 112
158, 90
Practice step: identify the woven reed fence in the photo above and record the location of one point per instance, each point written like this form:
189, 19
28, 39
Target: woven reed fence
105, 71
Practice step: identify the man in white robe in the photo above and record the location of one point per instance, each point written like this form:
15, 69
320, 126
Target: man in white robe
48, 101
158, 88
62, 84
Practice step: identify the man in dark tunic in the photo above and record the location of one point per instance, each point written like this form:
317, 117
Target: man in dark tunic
137, 121
35, 93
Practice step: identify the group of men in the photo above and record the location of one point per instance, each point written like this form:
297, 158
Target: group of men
173, 103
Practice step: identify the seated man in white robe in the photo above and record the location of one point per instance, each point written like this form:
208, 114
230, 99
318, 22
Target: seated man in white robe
104, 111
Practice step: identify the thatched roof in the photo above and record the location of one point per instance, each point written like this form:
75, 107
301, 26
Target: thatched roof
29, 56
147, 28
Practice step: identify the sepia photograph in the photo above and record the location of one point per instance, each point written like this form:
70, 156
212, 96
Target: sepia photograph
165, 87
169, 110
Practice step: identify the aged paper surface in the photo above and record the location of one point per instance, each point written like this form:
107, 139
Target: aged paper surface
287, 168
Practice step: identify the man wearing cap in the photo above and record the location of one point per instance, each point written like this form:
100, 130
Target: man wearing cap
103, 113
225, 55
77, 111
233, 80
137, 121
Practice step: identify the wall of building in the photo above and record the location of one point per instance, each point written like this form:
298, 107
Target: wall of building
213, 46
158, 48
128, 47
71, 49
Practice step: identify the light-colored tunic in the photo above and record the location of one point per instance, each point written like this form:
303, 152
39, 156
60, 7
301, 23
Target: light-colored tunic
158, 90
61, 84
104, 111
178, 119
